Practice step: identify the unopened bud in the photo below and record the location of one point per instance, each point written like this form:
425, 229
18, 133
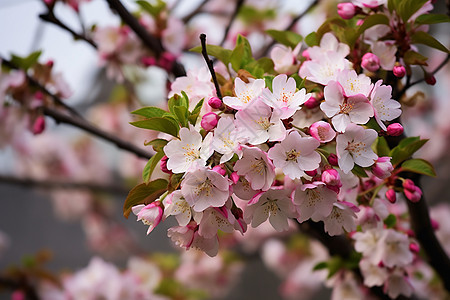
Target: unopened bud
409, 185
414, 247
391, 196
148, 61
311, 103
434, 224
399, 70
215, 102
430, 79
305, 54
209, 121
219, 170
370, 62
333, 159
39, 125
331, 177
395, 129
346, 10
311, 173
234, 177
322, 131
163, 165
382, 167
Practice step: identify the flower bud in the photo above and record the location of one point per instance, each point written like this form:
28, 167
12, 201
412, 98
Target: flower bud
391, 196
209, 121
409, 185
305, 54
414, 247
322, 131
219, 170
430, 79
331, 177
311, 173
370, 62
346, 10
399, 70
311, 103
333, 159
359, 22
394, 129
234, 177
166, 61
215, 102
382, 167
38, 125
413, 195
434, 224
163, 165
148, 61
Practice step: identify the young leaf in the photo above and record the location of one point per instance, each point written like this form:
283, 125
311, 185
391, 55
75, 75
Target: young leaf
236, 58
150, 166
390, 221
150, 112
414, 58
320, 266
419, 166
406, 8
157, 144
372, 20
312, 39
195, 112
25, 63
405, 149
144, 194
420, 37
432, 19
153, 10
218, 52
381, 147
287, 38
181, 113
359, 171
165, 125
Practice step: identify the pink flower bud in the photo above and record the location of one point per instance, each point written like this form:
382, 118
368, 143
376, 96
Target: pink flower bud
399, 70
311, 173
305, 54
209, 121
391, 196
38, 125
434, 224
148, 61
311, 103
322, 131
430, 79
215, 102
166, 61
382, 167
18, 295
50, 63
395, 129
234, 177
333, 159
346, 10
359, 22
331, 177
219, 170
410, 233
409, 185
370, 62
413, 196
414, 247
163, 165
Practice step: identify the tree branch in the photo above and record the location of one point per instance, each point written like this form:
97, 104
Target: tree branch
209, 63
195, 12
149, 41
88, 127
239, 3
52, 184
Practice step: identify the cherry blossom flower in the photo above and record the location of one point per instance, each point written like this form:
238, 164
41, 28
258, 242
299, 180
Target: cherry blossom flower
226, 139
295, 154
345, 110
189, 152
386, 109
392, 249
284, 99
386, 53
322, 131
150, 214
328, 44
325, 68
374, 275
274, 204
204, 188
256, 167
382, 167
354, 147
369, 3
245, 93
398, 284
212, 220
313, 200
176, 205
354, 84
243, 190
342, 217
367, 241
284, 58
258, 124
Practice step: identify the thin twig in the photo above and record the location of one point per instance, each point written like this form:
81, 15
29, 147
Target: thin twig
239, 3
195, 12
51, 18
210, 65
149, 40
55, 184
88, 127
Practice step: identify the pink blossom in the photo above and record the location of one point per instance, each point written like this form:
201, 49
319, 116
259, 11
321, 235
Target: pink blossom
150, 214
345, 110
398, 284
212, 220
354, 147
203, 188
256, 167
369, 3
227, 140
342, 217
174, 36
354, 84
176, 205
392, 249
324, 68
313, 200
382, 167
295, 154
346, 10
331, 178
284, 58
385, 108
328, 44
243, 189
209, 121
311, 103
322, 131
386, 54
370, 62
373, 275
245, 93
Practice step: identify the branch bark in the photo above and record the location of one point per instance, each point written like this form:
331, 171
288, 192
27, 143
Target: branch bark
209, 63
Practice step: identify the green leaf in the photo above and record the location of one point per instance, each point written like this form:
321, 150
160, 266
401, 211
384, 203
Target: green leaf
390, 221
414, 58
27, 62
242, 53
150, 112
432, 19
320, 266
174, 182
157, 144
185, 99
150, 166
405, 149
372, 20
419, 166
359, 171
406, 8
165, 125
144, 194
334, 265
195, 112
299, 82
178, 100
218, 52
154, 10
312, 39
420, 37
287, 38
181, 113
382, 147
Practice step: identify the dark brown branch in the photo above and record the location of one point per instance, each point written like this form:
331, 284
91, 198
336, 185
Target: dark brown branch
239, 4
149, 41
52, 184
88, 127
195, 12
210, 65
51, 18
